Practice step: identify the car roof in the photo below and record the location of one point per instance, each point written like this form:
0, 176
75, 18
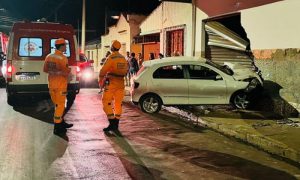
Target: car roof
174, 60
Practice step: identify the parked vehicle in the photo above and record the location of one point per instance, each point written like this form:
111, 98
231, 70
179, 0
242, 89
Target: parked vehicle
29, 44
3, 47
192, 81
86, 68
2, 80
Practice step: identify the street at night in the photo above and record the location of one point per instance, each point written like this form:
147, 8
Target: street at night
148, 90
148, 147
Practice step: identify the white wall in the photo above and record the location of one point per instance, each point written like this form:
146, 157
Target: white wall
120, 32
273, 26
172, 14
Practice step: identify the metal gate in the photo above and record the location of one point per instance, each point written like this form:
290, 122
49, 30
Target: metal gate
224, 45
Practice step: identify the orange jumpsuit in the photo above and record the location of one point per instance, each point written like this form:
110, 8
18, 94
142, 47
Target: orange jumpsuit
56, 65
113, 70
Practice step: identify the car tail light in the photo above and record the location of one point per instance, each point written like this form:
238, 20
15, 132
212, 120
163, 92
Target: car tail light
77, 69
9, 71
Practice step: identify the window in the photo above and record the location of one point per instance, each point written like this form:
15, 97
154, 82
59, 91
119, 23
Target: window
201, 72
30, 47
67, 53
169, 72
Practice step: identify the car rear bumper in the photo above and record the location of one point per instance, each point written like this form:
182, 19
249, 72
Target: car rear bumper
37, 88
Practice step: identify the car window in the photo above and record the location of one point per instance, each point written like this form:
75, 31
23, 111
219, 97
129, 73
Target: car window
67, 53
169, 72
201, 72
30, 47
224, 69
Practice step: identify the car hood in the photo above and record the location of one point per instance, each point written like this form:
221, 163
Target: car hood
241, 72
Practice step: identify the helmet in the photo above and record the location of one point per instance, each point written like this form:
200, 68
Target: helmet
60, 41
116, 44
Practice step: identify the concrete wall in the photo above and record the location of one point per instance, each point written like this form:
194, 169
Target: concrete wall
273, 31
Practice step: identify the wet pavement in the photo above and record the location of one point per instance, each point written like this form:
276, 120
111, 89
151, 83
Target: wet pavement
160, 146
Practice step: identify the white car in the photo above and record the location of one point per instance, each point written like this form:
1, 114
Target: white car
193, 81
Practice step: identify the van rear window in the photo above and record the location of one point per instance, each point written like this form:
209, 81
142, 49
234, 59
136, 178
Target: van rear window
67, 53
30, 47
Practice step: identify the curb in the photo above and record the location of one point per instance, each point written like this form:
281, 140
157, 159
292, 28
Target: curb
243, 133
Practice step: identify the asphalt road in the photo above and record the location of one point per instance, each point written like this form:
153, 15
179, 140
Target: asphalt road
148, 147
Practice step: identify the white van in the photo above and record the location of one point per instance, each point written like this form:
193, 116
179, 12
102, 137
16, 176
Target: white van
29, 44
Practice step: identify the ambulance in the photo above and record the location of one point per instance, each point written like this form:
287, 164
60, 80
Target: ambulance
29, 44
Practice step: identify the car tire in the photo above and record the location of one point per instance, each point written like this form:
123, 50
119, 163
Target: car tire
240, 100
150, 103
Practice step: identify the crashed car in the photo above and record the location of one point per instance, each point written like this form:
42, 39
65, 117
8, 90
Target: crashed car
193, 81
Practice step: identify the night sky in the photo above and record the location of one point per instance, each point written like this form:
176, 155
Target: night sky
69, 11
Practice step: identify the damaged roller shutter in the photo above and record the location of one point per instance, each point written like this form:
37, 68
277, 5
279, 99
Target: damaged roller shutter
224, 45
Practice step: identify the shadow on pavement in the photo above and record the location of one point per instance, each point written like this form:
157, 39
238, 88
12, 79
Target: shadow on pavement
211, 160
225, 163
53, 148
39, 107
135, 167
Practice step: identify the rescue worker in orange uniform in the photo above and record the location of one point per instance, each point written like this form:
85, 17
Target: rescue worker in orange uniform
111, 79
56, 65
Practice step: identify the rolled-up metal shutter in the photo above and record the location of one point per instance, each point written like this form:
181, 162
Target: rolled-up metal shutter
223, 45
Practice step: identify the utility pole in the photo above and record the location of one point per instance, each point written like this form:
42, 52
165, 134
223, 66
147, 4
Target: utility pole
105, 20
83, 27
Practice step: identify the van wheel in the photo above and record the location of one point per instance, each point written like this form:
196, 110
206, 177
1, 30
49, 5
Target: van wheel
240, 100
11, 100
150, 104
70, 99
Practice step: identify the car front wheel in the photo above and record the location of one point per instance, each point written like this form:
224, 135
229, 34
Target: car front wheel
240, 100
150, 104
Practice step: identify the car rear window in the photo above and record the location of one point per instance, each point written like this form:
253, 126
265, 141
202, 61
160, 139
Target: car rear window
169, 72
30, 47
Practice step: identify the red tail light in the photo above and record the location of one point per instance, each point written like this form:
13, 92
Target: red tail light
9, 71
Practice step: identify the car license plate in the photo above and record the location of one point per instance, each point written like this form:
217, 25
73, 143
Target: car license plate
26, 78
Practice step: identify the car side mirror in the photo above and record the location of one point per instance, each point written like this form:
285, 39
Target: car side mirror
218, 77
91, 61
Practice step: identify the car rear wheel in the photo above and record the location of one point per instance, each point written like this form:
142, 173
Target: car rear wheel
150, 104
240, 100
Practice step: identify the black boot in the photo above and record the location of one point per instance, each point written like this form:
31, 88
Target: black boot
113, 125
66, 125
116, 125
59, 129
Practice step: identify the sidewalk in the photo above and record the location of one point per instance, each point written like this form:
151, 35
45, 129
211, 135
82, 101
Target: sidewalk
277, 136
